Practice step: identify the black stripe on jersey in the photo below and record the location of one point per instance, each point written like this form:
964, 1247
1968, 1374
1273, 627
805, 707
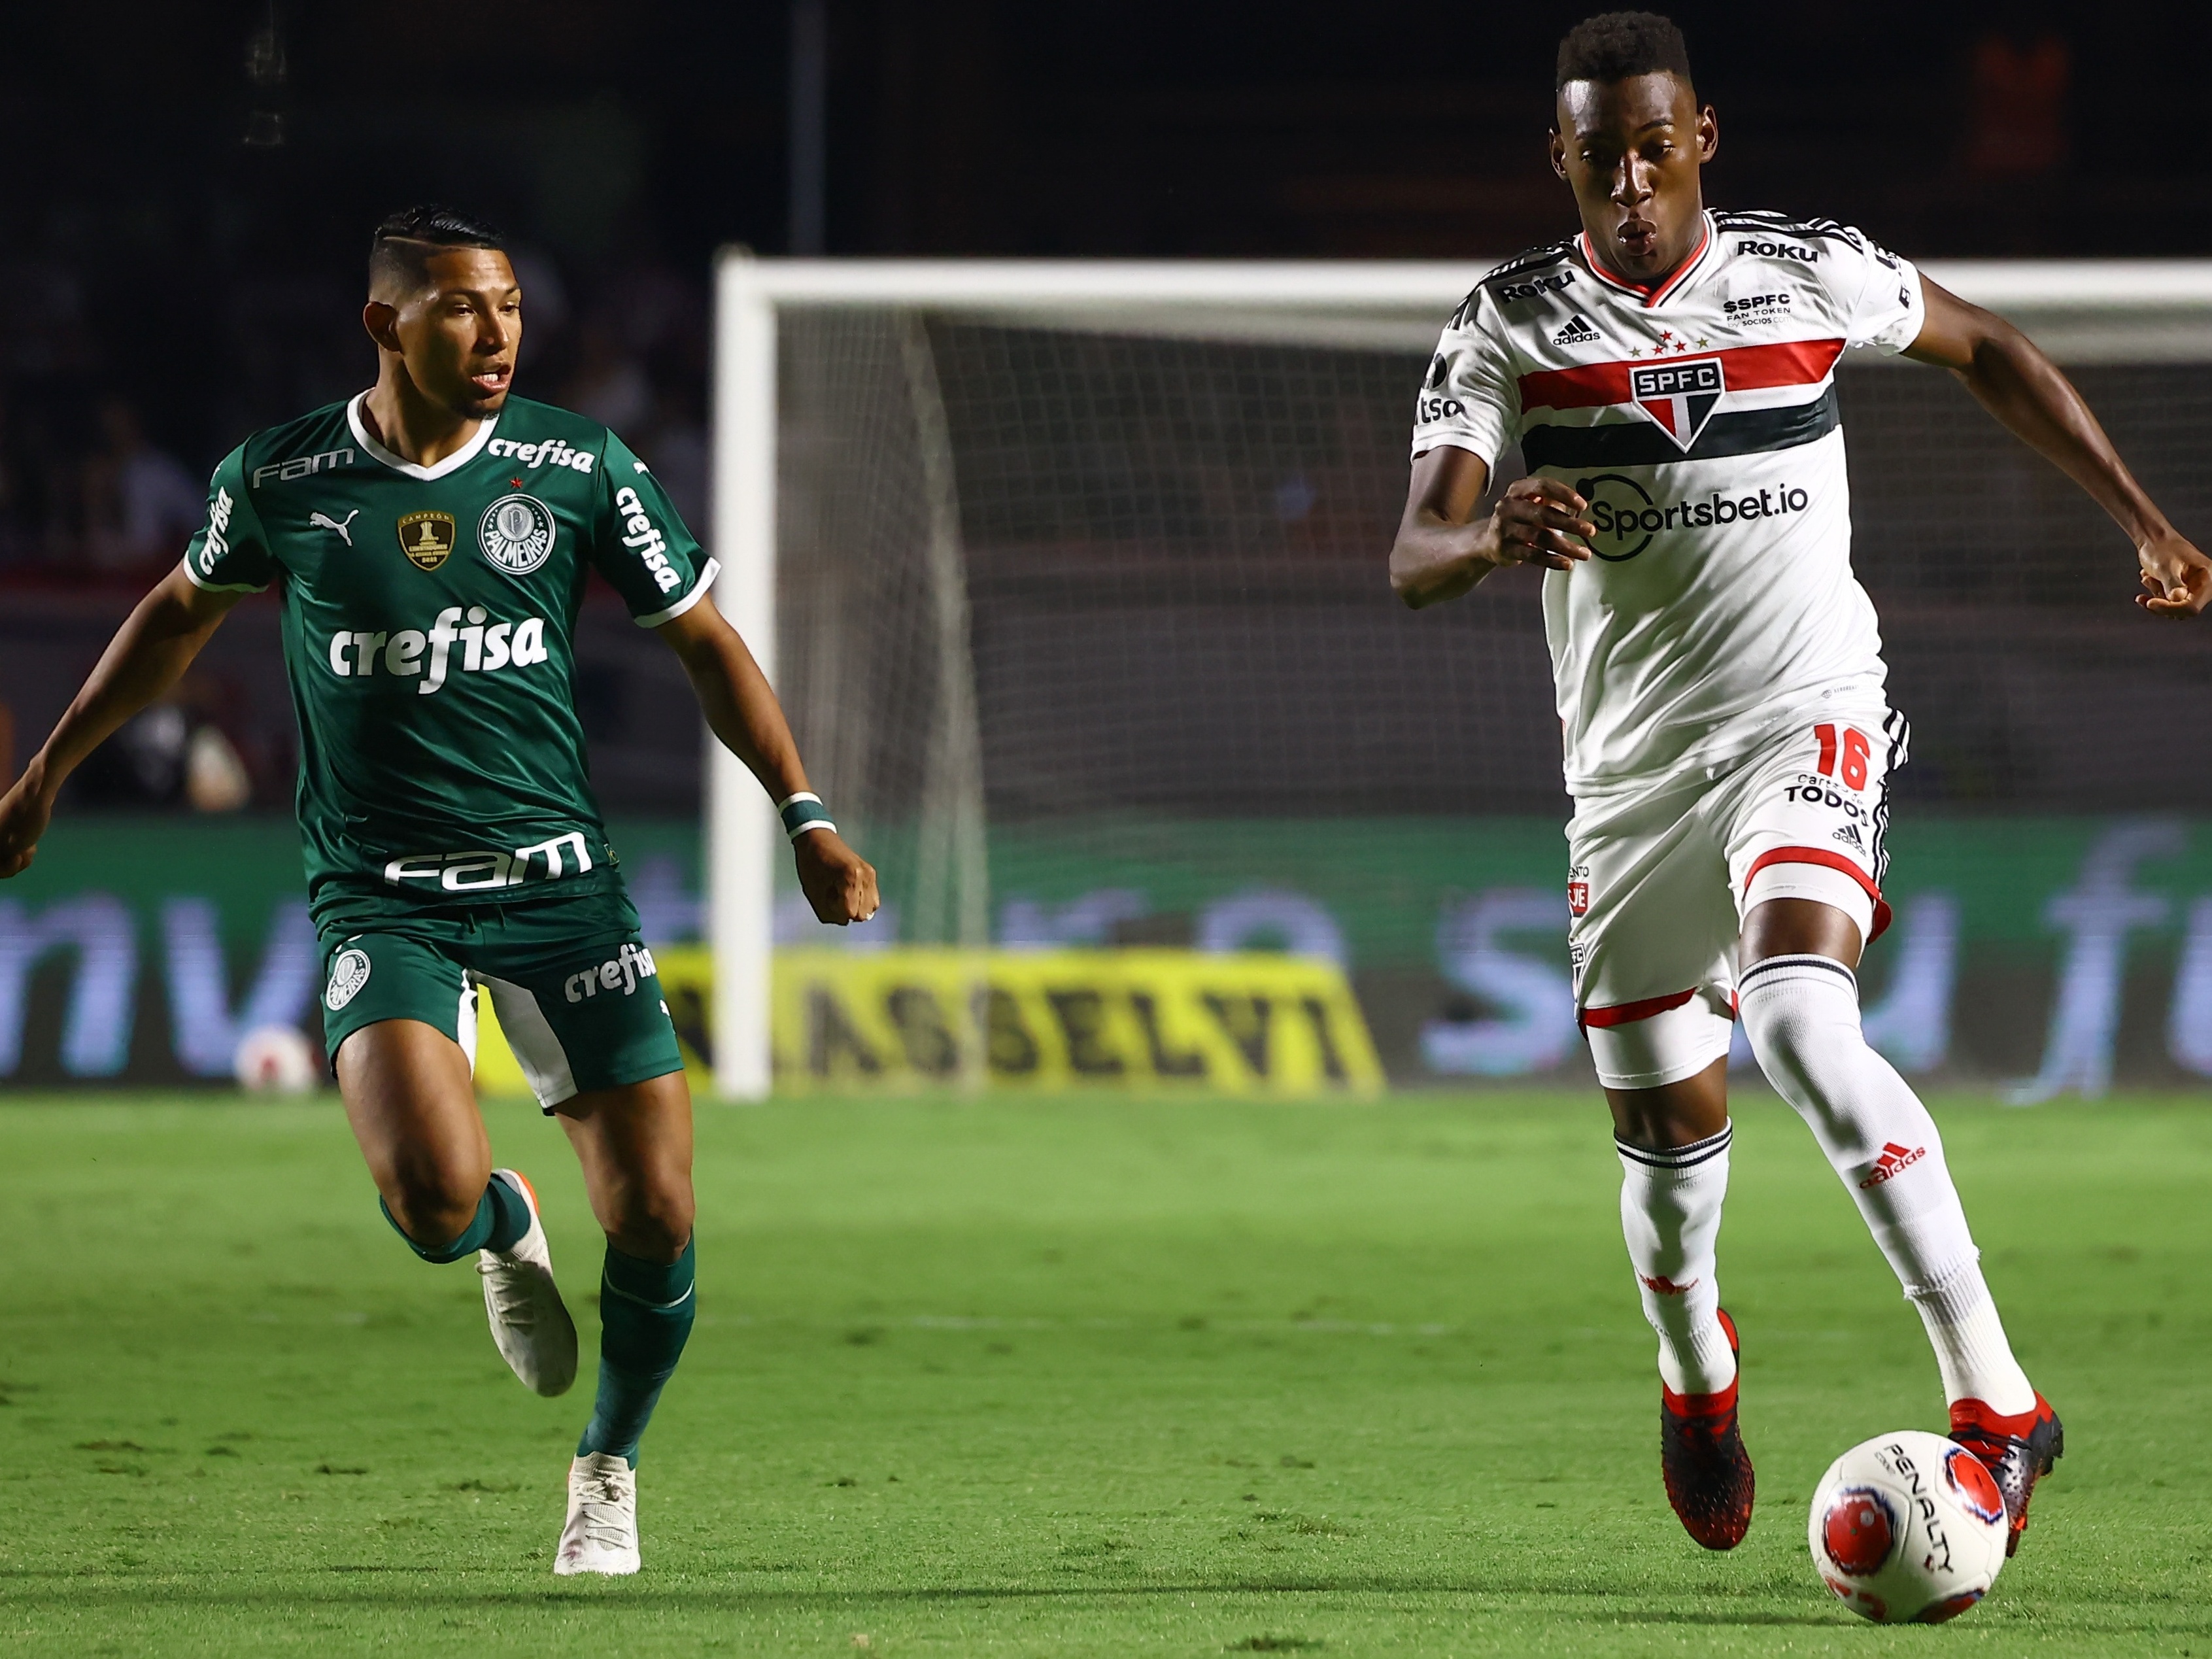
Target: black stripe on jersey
1899, 730
1530, 258
1642, 443
1781, 224
1534, 259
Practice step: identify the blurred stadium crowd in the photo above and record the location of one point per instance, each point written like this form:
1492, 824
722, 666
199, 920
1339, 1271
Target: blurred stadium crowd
101, 487
183, 264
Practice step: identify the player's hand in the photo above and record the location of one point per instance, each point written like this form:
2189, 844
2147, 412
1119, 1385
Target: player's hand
2177, 579
838, 882
23, 814
1535, 522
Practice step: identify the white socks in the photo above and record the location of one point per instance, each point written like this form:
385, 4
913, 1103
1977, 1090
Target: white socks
1801, 1014
1670, 1214
1969, 1344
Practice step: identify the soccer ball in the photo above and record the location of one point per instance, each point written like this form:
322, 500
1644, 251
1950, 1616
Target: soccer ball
1908, 1529
277, 1059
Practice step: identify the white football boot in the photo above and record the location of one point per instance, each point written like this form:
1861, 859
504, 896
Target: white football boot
530, 1323
601, 1536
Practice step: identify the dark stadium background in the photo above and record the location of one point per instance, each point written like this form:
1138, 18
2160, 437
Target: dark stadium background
171, 279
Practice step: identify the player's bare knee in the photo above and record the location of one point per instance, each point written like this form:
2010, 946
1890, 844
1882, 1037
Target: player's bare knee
432, 1199
655, 1224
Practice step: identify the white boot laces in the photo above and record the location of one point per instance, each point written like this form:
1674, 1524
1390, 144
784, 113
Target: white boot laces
602, 1505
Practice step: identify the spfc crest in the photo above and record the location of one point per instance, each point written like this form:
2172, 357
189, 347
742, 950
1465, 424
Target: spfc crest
516, 534
1678, 397
427, 539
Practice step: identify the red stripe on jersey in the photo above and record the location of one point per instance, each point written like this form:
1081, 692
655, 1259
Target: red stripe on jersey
1652, 294
1748, 368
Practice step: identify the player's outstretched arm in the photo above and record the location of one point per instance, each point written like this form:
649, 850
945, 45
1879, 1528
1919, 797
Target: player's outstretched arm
741, 707
148, 655
2025, 390
1443, 549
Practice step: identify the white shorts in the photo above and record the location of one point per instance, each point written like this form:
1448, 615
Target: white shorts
1659, 883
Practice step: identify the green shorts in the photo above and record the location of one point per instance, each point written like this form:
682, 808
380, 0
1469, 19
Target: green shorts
576, 990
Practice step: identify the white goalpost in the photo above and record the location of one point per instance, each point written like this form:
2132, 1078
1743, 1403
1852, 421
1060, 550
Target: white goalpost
855, 462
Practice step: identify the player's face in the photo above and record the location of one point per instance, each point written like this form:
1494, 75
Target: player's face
1631, 150
458, 333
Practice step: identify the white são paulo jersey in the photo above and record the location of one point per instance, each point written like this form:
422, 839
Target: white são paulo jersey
1698, 418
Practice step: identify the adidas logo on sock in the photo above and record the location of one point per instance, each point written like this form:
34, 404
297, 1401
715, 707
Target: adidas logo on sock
1893, 1162
1660, 1284
1576, 332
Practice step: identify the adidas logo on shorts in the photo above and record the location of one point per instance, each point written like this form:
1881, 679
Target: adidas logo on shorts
1576, 332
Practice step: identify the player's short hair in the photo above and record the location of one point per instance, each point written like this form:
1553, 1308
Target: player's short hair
1617, 44
405, 241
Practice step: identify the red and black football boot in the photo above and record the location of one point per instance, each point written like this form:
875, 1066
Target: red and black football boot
2019, 1451
1708, 1472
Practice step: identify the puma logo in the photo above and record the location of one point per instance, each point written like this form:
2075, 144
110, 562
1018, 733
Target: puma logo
324, 521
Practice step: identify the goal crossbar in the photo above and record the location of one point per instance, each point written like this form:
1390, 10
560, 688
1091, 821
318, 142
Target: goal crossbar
2081, 311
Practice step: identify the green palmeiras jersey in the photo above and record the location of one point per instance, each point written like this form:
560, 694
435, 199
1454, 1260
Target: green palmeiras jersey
429, 622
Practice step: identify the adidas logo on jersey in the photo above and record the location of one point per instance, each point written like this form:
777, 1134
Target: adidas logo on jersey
1576, 332
1893, 1163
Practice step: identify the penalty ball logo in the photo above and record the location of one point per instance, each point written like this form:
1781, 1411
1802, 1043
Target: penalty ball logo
516, 534
348, 973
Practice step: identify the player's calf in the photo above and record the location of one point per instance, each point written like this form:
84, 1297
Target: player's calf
1801, 1014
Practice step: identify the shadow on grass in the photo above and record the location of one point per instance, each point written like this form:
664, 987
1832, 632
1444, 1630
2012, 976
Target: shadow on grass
663, 1598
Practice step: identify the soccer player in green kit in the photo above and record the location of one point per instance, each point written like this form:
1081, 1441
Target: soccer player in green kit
432, 538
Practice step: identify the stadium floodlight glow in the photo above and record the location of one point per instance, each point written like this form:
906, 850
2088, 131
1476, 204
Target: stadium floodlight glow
2131, 312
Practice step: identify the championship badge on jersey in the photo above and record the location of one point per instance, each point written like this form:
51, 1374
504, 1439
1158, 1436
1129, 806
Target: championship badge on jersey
428, 538
1678, 397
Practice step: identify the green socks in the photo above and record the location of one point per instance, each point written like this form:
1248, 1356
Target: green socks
502, 1217
646, 1311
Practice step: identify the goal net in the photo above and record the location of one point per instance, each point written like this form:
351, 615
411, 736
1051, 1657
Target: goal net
1071, 579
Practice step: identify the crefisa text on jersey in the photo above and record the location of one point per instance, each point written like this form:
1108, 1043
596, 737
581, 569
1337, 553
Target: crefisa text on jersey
538, 454
355, 655
646, 536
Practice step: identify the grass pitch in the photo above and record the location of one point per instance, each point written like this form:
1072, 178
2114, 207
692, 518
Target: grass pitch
1063, 1377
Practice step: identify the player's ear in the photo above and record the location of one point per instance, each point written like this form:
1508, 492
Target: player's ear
1709, 133
1558, 154
382, 322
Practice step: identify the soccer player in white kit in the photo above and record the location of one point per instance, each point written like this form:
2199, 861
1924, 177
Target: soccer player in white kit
1669, 376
